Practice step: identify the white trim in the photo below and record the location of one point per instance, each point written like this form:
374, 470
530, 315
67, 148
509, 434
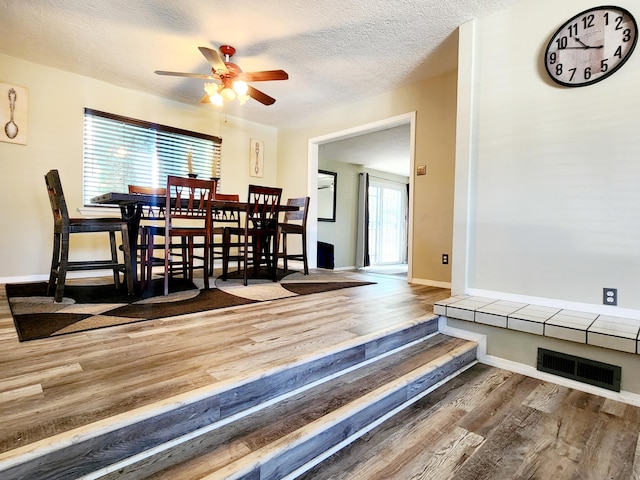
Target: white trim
556, 303
312, 181
480, 339
623, 396
529, 371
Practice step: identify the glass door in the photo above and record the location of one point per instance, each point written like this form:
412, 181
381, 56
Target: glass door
387, 222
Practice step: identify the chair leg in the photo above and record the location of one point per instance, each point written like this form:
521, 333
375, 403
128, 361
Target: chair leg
284, 252
205, 267
55, 264
304, 253
114, 256
62, 268
127, 258
226, 240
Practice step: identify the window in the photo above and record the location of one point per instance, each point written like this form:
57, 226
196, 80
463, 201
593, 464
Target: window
387, 222
120, 151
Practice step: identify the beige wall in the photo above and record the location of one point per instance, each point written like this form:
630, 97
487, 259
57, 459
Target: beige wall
434, 102
56, 103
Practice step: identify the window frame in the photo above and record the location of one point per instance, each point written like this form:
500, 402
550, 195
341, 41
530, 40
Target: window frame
167, 150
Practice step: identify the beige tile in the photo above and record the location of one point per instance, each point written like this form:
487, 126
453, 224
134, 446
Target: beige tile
528, 326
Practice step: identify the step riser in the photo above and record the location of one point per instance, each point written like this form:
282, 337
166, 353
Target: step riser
75, 459
292, 457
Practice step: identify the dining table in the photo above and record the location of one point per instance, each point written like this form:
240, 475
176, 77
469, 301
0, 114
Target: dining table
132, 206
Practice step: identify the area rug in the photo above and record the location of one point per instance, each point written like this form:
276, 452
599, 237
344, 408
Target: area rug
95, 305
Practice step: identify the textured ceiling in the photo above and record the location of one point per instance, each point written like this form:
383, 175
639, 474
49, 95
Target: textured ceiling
336, 52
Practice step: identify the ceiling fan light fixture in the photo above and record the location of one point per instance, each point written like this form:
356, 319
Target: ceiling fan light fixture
216, 99
243, 98
228, 94
240, 87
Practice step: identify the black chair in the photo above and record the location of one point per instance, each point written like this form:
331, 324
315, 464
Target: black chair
188, 216
63, 227
258, 235
288, 228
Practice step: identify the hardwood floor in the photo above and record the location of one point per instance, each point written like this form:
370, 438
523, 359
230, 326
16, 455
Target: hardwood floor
58, 384
484, 424
496, 425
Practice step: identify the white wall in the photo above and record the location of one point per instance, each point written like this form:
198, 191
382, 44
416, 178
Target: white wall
547, 187
56, 106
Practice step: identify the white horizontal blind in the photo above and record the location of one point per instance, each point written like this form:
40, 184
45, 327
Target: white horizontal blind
120, 151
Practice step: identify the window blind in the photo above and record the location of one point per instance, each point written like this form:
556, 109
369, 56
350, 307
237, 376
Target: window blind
121, 151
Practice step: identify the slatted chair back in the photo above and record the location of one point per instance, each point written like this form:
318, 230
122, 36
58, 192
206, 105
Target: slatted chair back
152, 217
64, 226
263, 207
188, 199
290, 227
57, 201
224, 215
150, 212
299, 215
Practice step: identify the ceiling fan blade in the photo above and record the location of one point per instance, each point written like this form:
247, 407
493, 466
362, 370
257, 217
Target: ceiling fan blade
205, 99
260, 96
214, 59
264, 76
181, 74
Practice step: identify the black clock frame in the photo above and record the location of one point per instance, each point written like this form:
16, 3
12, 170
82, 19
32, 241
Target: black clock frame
607, 74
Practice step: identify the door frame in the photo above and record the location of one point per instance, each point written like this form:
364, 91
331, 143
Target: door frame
312, 181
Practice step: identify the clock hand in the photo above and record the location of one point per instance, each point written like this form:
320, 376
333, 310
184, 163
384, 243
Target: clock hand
584, 45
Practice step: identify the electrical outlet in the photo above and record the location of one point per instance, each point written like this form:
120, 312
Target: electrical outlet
445, 259
610, 296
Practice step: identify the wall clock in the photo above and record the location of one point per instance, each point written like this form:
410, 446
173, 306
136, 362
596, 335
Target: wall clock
591, 46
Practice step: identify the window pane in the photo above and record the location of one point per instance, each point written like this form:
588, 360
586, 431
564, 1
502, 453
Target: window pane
120, 151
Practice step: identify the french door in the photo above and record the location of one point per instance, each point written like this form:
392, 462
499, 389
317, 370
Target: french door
388, 212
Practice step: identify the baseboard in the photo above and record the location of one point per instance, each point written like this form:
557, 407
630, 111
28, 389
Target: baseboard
529, 371
430, 283
45, 278
623, 396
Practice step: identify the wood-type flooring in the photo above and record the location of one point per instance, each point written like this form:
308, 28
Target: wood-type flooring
486, 423
490, 424
62, 383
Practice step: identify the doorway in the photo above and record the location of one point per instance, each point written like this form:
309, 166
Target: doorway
312, 185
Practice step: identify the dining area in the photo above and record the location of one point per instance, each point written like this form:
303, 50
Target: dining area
181, 229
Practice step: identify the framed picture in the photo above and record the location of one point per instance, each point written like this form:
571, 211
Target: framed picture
256, 158
13, 113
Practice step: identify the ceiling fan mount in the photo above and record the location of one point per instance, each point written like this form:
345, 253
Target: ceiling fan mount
229, 74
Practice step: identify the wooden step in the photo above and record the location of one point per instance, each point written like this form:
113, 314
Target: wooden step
295, 433
99, 446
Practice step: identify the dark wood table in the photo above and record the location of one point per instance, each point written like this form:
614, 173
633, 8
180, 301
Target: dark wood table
131, 208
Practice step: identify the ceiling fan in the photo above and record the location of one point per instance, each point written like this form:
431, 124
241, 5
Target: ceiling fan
233, 81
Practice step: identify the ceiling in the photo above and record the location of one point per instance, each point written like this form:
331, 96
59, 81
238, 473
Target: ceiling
385, 150
335, 52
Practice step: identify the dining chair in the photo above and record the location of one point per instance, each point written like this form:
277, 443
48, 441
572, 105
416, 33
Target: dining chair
153, 218
223, 217
187, 216
64, 226
258, 234
287, 227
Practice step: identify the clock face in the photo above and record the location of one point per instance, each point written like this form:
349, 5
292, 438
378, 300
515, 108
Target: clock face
591, 46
